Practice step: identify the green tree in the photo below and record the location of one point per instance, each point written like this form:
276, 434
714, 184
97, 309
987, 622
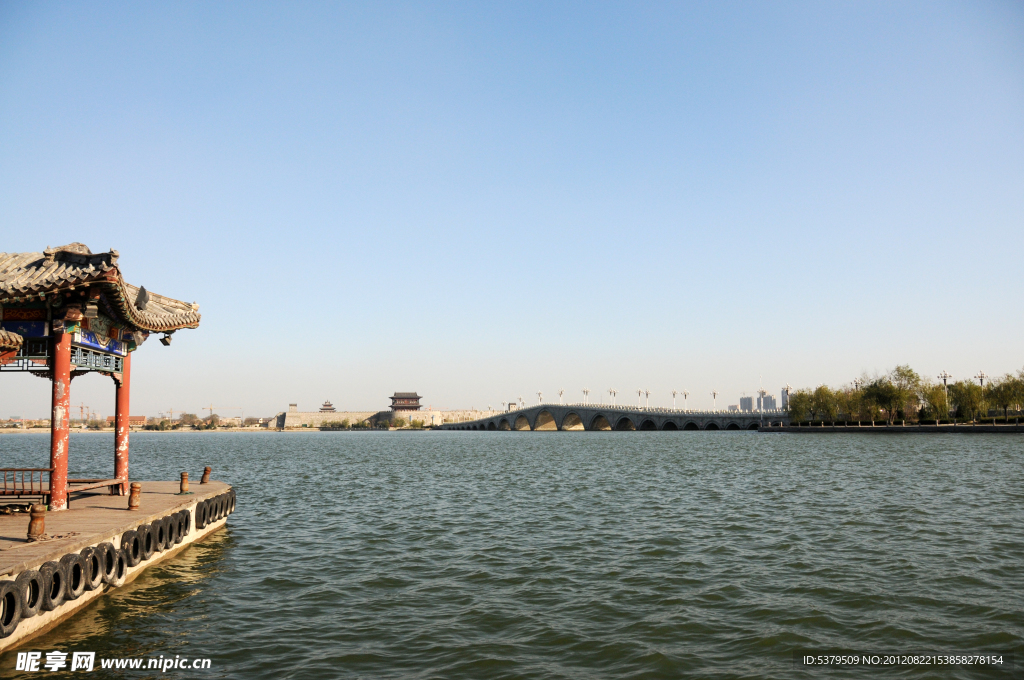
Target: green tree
851, 402
968, 398
1018, 391
908, 385
886, 396
934, 396
824, 401
399, 422
800, 405
1005, 392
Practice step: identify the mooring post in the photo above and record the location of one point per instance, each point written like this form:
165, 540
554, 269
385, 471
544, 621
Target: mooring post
122, 422
36, 523
133, 497
206, 475
59, 421
184, 482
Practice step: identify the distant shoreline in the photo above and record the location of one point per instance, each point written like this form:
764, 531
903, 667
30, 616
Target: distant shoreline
959, 428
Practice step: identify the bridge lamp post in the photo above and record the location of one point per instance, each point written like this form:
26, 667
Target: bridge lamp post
560, 393
521, 401
981, 378
540, 399
944, 376
647, 396
685, 395
674, 393
714, 397
503, 406
612, 393
586, 393
639, 394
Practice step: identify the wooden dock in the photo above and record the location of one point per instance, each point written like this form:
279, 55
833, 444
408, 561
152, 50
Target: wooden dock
92, 520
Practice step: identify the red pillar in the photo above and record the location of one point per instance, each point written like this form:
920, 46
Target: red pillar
122, 425
59, 421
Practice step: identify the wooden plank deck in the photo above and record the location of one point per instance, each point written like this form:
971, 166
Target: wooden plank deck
91, 520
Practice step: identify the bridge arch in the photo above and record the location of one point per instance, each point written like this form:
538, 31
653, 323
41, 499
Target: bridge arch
600, 423
712, 426
752, 426
669, 425
648, 425
503, 425
492, 426
690, 425
732, 426
521, 423
544, 421
572, 421
624, 424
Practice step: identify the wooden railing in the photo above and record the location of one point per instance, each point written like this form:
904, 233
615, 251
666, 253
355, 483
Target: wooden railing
25, 481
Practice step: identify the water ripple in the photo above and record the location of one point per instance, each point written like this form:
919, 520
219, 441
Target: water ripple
571, 555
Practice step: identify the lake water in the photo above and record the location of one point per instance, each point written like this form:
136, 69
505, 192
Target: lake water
569, 555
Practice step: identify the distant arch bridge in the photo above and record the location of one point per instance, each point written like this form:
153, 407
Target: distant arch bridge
619, 418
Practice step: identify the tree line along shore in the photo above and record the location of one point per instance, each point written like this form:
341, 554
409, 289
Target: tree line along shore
903, 395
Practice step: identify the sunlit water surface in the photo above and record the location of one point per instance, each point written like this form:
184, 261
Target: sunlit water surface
569, 555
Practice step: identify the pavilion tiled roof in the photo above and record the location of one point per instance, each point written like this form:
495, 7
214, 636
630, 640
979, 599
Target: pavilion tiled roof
406, 395
9, 342
28, 276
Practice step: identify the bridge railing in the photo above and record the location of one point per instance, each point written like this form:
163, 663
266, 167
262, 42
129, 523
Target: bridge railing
642, 409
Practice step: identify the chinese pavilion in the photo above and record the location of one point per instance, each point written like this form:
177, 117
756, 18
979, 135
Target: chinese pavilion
65, 312
405, 401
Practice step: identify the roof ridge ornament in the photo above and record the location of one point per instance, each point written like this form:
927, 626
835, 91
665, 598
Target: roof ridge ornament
142, 299
79, 253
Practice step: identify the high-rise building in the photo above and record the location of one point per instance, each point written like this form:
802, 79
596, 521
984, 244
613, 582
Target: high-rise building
785, 399
767, 403
746, 403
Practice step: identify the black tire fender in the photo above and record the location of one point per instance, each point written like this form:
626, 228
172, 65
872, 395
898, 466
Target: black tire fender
106, 552
159, 529
172, 531
179, 527
74, 572
30, 587
54, 585
131, 544
93, 559
201, 515
10, 607
120, 569
147, 541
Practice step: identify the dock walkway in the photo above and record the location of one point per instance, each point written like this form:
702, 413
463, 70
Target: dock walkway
95, 519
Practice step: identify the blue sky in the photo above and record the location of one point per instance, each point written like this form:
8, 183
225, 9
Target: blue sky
479, 201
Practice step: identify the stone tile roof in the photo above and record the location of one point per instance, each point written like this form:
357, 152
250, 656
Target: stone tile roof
9, 342
406, 395
28, 276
